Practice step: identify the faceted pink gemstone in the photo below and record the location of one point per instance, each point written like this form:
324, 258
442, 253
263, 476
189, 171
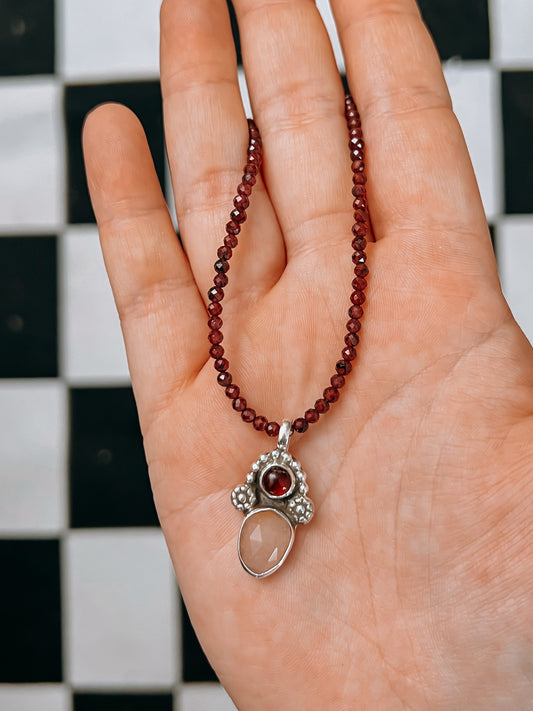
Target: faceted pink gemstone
265, 539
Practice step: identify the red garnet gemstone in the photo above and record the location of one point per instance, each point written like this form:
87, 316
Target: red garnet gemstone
260, 423
214, 308
216, 351
233, 391
272, 429
300, 425
276, 481
343, 367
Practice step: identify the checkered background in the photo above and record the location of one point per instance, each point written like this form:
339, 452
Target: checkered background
90, 614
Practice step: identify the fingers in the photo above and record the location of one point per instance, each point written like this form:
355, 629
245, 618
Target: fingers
207, 137
298, 102
155, 293
420, 175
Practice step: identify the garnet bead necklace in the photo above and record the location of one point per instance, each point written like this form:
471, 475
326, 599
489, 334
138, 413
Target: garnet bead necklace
273, 498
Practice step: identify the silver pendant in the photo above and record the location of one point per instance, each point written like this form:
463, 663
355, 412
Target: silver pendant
274, 502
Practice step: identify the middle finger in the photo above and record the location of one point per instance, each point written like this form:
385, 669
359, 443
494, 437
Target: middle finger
298, 102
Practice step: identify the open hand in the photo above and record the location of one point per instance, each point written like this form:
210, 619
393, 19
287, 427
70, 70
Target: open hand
412, 588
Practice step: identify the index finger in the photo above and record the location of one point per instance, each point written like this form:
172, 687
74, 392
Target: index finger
419, 170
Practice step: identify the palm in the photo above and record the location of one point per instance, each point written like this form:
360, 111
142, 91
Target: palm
417, 473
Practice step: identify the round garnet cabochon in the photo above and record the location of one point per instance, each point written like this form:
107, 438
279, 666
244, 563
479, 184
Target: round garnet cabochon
276, 481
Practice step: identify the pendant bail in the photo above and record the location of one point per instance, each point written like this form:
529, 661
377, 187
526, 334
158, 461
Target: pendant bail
284, 435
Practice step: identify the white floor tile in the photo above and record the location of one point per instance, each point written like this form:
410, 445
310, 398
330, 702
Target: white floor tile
31, 146
93, 348
108, 39
474, 92
121, 597
205, 697
41, 697
515, 256
33, 423
512, 32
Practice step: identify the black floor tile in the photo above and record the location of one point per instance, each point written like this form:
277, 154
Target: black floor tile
27, 37
28, 307
195, 664
122, 702
109, 483
460, 28
517, 104
30, 612
144, 98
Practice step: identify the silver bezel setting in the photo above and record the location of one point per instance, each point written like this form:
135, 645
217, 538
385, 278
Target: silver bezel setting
295, 504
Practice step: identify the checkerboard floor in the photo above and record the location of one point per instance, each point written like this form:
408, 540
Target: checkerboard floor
90, 613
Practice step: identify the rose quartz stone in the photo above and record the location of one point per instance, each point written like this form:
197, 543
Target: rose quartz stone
266, 537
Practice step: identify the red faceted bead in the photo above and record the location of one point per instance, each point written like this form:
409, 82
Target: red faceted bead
224, 379
348, 353
353, 325
343, 367
214, 308
321, 406
357, 297
249, 179
221, 364
238, 216
358, 257
276, 481
215, 323
216, 351
220, 280
231, 241
300, 425
331, 394
360, 215
244, 189
357, 164
272, 429
351, 339
356, 130
248, 415
358, 283
215, 337
221, 266
361, 270
233, 228
260, 423
359, 178
337, 381
359, 230
359, 243
355, 311
241, 202
224, 253
359, 204
239, 404
215, 293
359, 191
232, 391
250, 168
311, 415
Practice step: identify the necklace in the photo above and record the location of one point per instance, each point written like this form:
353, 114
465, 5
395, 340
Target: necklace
274, 497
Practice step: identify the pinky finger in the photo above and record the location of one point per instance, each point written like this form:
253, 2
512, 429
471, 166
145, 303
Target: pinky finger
155, 293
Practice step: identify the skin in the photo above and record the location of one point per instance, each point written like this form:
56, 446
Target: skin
412, 587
